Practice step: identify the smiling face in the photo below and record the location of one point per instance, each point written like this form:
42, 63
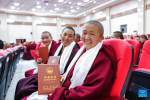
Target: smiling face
67, 37
46, 39
91, 36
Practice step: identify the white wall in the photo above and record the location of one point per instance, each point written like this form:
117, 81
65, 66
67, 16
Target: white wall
24, 31
69, 21
98, 15
130, 20
51, 29
147, 22
147, 19
46, 19
20, 18
85, 19
124, 7
19, 32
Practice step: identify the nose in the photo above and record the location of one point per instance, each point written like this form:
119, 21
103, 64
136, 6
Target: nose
44, 39
66, 37
87, 36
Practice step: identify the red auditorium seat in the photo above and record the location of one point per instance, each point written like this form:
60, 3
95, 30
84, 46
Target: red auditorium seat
80, 44
136, 47
124, 54
140, 78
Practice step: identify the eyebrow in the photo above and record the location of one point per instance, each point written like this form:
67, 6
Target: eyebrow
92, 31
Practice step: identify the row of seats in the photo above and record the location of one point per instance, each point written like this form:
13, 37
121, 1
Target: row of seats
140, 78
8, 61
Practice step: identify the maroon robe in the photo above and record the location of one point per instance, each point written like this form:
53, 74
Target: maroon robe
54, 46
28, 85
27, 55
97, 83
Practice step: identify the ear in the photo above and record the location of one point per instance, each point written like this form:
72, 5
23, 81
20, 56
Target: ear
102, 37
118, 37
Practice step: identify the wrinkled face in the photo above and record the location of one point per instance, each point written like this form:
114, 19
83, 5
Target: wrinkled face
91, 36
46, 39
137, 39
76, 39
67, 37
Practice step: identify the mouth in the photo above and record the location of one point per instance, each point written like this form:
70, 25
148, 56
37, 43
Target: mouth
88, 42
65, 41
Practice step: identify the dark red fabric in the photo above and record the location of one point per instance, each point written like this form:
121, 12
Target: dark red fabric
27, 55
25, 88
30, 84
29, 73
98, 82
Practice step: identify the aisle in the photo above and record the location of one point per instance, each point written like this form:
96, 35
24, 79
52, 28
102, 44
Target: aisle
23, 66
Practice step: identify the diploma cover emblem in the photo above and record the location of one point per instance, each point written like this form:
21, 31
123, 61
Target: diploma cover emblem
49, 70
54, 60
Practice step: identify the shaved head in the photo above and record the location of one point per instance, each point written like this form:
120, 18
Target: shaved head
98, 24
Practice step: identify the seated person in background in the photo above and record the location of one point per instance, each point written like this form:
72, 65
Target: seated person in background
52, 46
77, 38
148, 36
91, 73
27, 55
137, 38
66, 50
143, 39
1, 45
5, 45
117, 35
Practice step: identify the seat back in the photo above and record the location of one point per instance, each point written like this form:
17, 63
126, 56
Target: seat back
140, 78
145, 56
1, 66
2, 84
5, 65
124, 55
136, 47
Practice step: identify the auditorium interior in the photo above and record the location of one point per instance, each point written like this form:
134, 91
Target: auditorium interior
43, 33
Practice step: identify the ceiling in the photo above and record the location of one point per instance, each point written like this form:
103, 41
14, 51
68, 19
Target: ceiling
66, 8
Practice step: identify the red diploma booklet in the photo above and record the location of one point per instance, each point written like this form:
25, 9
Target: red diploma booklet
48, 78
43, 53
